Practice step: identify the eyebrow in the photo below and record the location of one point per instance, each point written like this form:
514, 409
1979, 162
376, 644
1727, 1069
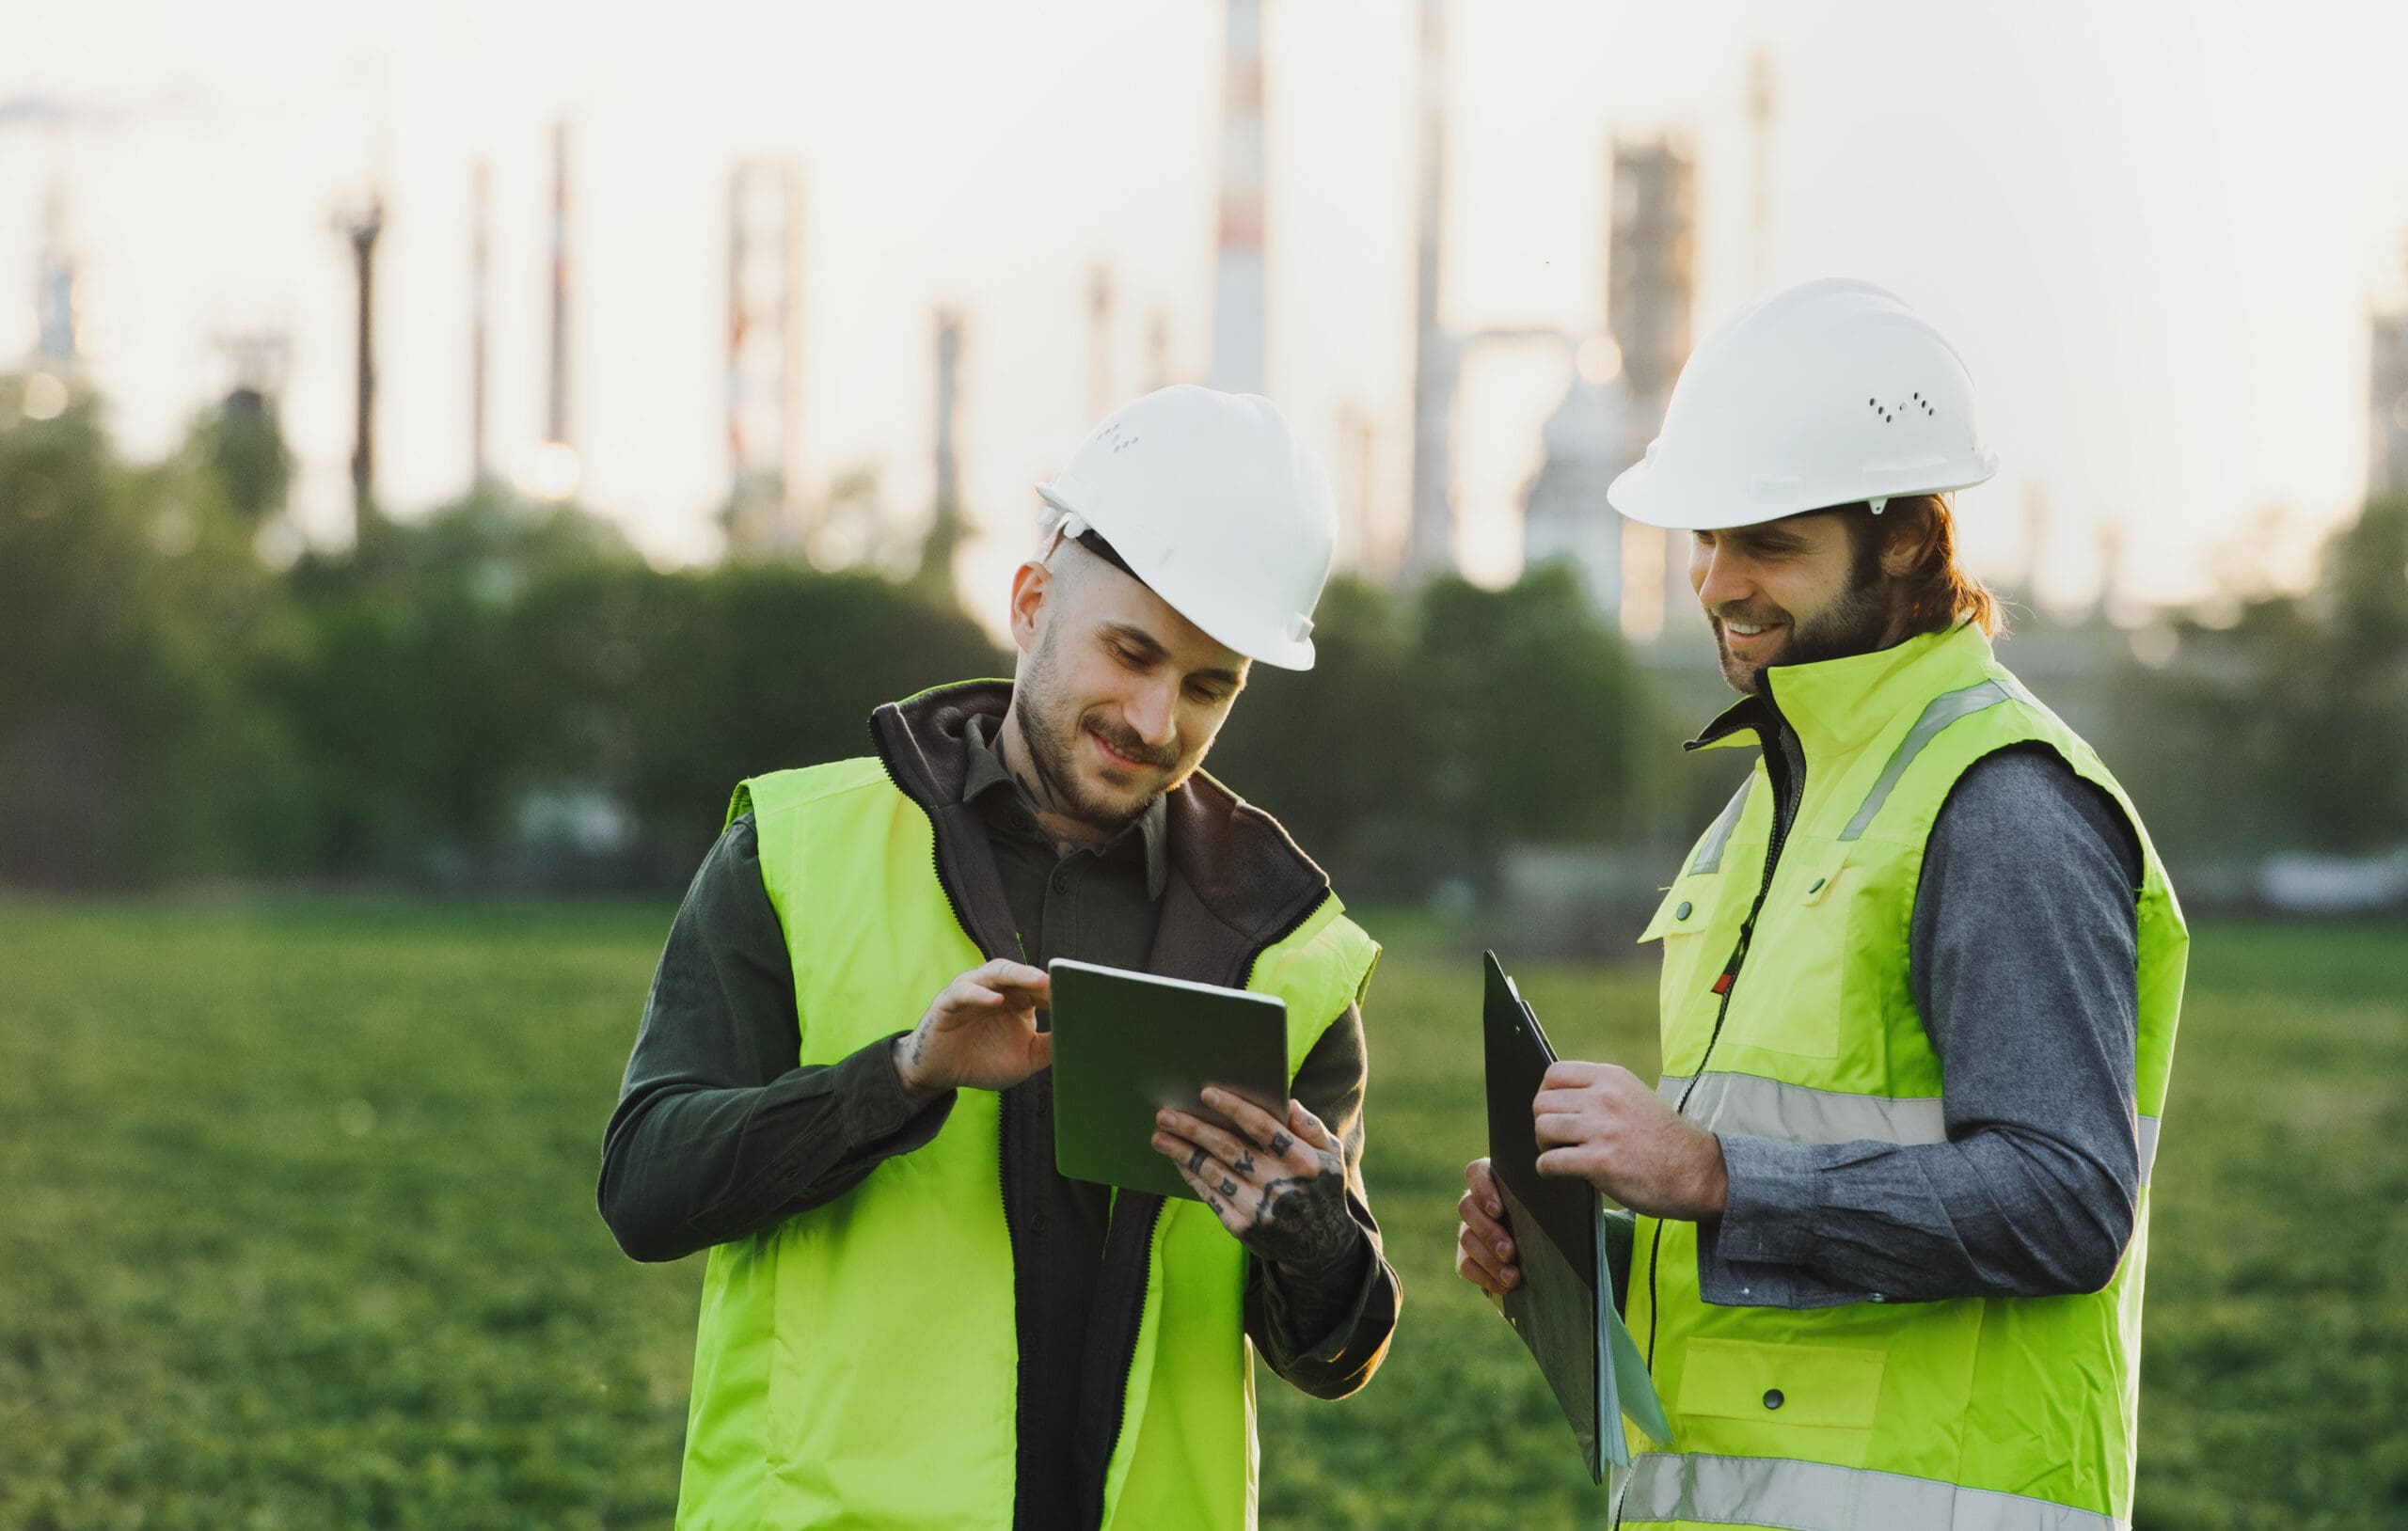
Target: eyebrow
1150, 647
1766, 539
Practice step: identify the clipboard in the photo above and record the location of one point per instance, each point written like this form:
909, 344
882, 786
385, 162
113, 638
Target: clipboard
1564, 1309
1127, 1044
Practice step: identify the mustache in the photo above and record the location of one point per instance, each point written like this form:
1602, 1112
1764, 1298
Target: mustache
1124, 741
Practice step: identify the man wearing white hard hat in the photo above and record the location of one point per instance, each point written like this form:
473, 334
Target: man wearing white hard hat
1918, 997
842, 1084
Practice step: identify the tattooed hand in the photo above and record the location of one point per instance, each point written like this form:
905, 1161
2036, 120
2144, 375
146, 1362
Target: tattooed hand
1279, 1185
980, 1032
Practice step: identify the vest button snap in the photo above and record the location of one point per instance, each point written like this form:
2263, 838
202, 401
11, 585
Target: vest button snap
1683, 912
1773, 1398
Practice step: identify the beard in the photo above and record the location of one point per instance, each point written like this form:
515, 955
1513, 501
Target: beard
1051, 726
1856, 623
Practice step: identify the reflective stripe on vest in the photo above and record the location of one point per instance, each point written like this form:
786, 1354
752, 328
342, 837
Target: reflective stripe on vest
1817, 1496
1763, 1108
1709, 851
1937, 714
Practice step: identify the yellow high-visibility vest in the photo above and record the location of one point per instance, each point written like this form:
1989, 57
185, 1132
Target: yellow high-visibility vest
856, 1365
2003, 1413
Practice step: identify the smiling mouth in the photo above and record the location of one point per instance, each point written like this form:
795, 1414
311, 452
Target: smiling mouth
1745, 632
1113, 758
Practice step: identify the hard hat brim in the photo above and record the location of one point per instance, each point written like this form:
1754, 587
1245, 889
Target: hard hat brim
1632, 495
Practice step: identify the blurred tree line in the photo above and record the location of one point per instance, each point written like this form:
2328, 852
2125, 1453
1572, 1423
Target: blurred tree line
503, 694
2284, 723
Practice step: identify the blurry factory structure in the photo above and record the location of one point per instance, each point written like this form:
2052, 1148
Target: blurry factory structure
765, 515
1760, 113
57, 346
2387, 401
361, 229
947, 529
1618, 390
1239, 297
1617, 382
1429, 535
480, 318
1438, 351
1100, 394
1588, 440
1651, 293
552, 471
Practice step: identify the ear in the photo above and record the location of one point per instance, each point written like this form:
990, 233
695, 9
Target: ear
1905, 542
1033, 591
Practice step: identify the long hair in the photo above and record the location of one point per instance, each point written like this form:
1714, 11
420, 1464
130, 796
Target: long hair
1939, 591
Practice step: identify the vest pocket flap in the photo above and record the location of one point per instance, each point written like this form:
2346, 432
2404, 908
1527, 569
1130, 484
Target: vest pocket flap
1830, 872
1684, 909
1781, 1384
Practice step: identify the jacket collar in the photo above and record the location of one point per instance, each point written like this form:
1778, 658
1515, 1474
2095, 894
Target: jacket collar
1838, 706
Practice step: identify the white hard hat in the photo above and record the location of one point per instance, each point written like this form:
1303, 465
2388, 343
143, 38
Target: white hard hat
1208, 498
1827, 394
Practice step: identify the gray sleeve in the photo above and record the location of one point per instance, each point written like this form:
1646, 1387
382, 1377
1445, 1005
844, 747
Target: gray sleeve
2023, 955
717, 1132
1326, 1332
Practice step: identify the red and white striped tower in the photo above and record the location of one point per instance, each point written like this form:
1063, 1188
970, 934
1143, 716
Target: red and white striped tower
1239, 286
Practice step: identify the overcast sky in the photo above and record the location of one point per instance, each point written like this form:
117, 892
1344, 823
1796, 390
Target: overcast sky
2153, 229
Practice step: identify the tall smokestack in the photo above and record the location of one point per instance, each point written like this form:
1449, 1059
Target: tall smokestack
1760, 109
1238, 274
1100, 398
947, 531
948, 473
362, 232
480, 318
763, 367
1429, 546
58, 344
556, 415
1157, 352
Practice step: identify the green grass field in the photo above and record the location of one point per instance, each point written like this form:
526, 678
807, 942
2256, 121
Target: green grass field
296, 1230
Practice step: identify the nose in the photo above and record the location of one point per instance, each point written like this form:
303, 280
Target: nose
1152, 713
1717, 574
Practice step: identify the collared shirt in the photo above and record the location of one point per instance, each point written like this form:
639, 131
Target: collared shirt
1098, 903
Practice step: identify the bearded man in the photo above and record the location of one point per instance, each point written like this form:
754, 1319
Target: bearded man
1920, 987
842, 1090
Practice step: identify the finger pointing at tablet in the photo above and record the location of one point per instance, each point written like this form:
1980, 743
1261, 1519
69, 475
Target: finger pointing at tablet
980, 1032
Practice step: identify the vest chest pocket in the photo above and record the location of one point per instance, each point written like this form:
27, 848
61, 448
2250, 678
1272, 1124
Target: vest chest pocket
1686, 997
1792, 993
1749, 1399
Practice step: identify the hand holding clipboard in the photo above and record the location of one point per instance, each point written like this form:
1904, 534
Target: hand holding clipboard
1564, 1306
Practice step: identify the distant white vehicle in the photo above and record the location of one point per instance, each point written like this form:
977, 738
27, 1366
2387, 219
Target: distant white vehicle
2336, 884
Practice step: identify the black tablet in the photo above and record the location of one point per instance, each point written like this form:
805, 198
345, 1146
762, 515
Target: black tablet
1127, 1044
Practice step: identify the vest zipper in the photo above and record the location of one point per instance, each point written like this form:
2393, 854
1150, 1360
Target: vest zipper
1728, 979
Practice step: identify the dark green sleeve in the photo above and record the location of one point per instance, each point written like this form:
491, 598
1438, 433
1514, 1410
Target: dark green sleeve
718, 1133
1326, 1332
